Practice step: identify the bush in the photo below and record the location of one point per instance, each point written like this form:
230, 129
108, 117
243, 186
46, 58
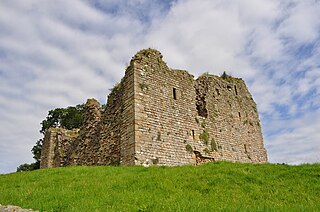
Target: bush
213, 145
28, 167
189, 148
204, 137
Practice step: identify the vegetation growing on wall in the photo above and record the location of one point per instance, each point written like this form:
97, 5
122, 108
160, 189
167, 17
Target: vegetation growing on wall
67, 118
189, 148
229, 78
204, 137
213, 145
113, 92
143, 86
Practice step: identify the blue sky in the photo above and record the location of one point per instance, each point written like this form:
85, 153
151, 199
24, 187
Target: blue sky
59, 53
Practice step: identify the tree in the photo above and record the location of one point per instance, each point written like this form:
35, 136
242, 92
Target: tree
67, 118
28, 167
36, 151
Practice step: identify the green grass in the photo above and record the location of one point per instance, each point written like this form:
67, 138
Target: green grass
218, 186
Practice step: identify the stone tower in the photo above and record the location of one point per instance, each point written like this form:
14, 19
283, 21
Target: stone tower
160, 116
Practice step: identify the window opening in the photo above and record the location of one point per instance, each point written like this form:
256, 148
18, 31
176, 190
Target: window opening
229, 87
239, 114
235, 88
174, 90
245, 148
193, 136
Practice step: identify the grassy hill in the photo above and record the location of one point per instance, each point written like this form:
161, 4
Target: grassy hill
218, 186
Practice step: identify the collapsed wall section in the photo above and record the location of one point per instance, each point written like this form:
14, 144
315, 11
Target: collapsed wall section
84, 150
57, 142
105, 138
232, 126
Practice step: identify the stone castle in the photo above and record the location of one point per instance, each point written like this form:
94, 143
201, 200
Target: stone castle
160, 116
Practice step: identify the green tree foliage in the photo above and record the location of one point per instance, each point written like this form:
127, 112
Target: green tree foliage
28, 167
36, 150
68, 118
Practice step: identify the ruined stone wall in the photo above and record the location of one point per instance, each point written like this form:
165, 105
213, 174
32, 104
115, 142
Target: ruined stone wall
180, 120
127, 145
84, 150
56, 144
165, 111
160, 116
232, 122
105, 138
117, 134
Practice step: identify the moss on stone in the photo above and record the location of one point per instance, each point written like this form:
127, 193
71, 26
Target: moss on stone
206, 75
72, 133
113, 92
143, 86
148, 52
230, 78
204, 137
206, 150
213, 145
56, 129
189, 148
203, 124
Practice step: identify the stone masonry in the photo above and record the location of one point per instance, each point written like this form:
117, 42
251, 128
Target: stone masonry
160, 116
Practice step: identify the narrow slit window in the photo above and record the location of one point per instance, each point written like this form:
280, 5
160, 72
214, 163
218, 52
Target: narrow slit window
235, 89
193, 136
245, 148
239, 114
174, 92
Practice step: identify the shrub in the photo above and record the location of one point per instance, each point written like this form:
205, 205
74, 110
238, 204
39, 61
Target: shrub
204, 137
213, 145
189, 148
206, 150
143, 86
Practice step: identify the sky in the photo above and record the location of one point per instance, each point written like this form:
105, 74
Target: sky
60, 53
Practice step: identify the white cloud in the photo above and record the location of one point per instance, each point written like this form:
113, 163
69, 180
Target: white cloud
302, 23
201, 37
298, 142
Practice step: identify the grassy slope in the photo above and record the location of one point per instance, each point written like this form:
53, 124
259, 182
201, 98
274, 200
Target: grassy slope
214, 186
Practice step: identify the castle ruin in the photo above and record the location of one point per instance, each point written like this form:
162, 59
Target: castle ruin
160, 116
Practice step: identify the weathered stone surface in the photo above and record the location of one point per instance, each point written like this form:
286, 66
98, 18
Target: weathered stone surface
160, 116
56, 146
10, 208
